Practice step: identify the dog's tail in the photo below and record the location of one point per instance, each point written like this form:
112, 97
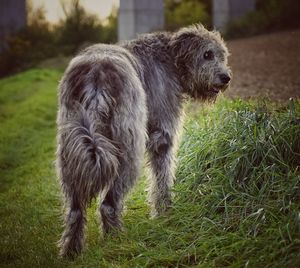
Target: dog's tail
88, 159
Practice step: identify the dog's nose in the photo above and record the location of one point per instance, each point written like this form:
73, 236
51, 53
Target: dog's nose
225, 78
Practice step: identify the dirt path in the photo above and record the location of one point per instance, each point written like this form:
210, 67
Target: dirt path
267, 65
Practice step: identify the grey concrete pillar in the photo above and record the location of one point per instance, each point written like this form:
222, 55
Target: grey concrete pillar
225, 11
12, 18
139, 16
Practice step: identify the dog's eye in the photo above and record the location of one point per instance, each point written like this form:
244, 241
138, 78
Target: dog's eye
208, 55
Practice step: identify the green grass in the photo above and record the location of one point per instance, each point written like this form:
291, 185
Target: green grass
237, 199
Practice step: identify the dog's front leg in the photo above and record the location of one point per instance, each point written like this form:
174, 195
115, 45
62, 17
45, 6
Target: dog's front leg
161, 153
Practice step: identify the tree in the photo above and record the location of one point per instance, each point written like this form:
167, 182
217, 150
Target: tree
78, 27
30, 45
110, 27
180, 13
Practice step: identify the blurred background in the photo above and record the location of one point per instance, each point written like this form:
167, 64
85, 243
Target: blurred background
46, 33
237, 193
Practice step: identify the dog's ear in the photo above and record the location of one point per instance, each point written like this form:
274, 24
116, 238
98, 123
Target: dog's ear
186, 38
180, 43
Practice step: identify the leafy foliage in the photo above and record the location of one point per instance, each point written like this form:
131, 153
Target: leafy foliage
110, 30
40, 40
185, 12
77, 27
30, 45
270, 15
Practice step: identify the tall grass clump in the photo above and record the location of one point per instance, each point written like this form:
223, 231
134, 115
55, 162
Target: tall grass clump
240, 167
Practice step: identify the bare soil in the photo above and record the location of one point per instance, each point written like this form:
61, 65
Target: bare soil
266, 65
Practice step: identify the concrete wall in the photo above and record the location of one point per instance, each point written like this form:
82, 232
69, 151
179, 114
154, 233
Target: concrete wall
12, 18
139, 16
225, 11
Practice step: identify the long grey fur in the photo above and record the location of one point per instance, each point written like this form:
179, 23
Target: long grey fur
115, 102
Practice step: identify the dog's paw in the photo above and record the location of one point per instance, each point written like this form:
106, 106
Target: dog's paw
70, 247
161, 208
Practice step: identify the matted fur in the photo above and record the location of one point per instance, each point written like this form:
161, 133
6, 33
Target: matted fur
115, 101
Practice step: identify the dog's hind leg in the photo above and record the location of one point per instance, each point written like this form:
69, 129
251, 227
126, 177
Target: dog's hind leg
130, 164
129, 132
111, 207
72, 240
87, 163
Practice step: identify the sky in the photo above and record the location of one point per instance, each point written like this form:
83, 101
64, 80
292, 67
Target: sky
54, 11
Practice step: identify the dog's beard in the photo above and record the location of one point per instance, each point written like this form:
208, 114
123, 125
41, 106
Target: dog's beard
203, 92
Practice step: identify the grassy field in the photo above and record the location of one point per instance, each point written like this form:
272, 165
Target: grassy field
237, 196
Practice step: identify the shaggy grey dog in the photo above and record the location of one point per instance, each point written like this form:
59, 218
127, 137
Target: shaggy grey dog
115, 101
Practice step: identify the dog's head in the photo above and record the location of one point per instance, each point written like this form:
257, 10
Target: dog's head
201, 60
